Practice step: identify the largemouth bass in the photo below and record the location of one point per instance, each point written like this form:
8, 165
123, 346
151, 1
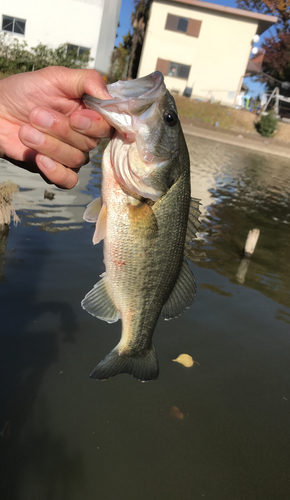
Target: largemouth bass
147, 219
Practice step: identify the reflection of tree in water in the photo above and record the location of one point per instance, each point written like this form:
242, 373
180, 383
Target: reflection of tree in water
253, 199
33, 458
4, 231
41, 461
45, 462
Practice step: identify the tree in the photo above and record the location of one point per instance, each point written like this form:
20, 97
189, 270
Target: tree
279, 8
139, 20
119, 59
276, 62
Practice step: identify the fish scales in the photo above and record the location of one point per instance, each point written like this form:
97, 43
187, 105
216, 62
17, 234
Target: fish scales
143, 220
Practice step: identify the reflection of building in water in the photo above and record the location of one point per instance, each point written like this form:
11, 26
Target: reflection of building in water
65, 209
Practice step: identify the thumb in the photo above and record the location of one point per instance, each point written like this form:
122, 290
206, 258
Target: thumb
77, 82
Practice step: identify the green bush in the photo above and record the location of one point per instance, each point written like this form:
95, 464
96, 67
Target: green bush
16, 57
268, 124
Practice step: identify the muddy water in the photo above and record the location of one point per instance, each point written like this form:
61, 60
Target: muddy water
218, 430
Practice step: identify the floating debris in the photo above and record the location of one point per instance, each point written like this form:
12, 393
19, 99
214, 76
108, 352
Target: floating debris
185, 360
176, 413
49, 195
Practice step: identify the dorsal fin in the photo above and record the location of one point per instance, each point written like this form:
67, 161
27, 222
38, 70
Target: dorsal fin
193, 223
182, 294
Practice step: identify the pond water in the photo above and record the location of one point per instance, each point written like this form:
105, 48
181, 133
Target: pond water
218, 430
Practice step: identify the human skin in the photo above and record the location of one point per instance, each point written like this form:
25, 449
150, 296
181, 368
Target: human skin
44, 125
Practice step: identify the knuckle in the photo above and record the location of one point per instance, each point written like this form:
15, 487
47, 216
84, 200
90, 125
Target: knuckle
66, 178
79, 160
91, 143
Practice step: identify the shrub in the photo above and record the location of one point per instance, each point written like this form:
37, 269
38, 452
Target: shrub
17, 57
268, 124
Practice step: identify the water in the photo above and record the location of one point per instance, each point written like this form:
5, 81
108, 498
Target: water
70, 437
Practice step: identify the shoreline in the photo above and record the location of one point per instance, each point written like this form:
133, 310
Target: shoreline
259, 144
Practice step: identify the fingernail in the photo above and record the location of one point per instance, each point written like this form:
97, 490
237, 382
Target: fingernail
33, 136
106, 94
48, 163
81, 122
43, 118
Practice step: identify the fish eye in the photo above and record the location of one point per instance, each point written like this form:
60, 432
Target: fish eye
171, 118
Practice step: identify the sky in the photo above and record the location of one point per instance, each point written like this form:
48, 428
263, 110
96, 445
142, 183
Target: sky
127, 7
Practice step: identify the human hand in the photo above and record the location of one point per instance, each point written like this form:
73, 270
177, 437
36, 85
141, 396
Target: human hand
44, 125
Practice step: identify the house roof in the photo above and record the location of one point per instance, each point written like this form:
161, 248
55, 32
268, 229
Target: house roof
255, 64
264, 21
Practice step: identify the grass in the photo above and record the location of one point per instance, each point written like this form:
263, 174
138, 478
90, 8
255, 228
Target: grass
239, 120
7, 212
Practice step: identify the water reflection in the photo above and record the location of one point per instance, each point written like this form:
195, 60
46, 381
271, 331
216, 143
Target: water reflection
4, 231
240, 191
46, 206
214, 430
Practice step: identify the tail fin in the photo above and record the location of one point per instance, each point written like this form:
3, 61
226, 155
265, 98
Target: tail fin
144, 368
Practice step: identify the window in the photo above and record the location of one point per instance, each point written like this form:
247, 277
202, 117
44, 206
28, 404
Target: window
182, 24
79, 51
13, 25
170, 68
190, 27
178, 70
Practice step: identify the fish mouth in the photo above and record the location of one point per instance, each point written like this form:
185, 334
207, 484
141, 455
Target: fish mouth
130, 100
147, 87
133, 111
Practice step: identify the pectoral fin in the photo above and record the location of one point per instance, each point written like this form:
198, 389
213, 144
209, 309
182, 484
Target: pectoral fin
182, 294
93, 210
97, 212
99, 303
100, 231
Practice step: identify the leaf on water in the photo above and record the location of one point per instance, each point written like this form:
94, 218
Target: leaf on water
185, 360
176, 413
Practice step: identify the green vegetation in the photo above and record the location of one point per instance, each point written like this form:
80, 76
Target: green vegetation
16, 57
120, 59
268, 124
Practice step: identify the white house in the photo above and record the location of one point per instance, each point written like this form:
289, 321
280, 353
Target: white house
84, 24
200, 47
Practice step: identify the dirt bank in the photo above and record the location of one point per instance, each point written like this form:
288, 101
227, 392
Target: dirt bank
231, 121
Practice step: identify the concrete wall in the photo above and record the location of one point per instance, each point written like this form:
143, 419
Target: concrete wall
86, 23
218, 57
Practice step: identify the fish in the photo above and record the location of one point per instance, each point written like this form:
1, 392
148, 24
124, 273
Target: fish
147, 219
